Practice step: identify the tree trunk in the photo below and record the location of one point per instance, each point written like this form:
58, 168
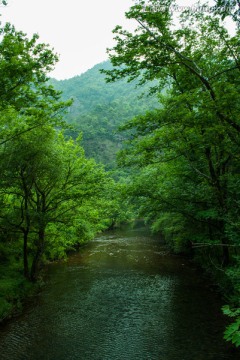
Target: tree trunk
37, 257
226, 257
224, 241
25, 254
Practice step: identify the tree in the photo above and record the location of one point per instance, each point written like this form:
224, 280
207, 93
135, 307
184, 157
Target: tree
227, 8
48, 189
27, 104
27, 100
187, 152
47, 180
170, 55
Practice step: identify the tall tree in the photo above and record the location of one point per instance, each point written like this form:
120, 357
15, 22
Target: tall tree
45, 180
27, 100
190, 147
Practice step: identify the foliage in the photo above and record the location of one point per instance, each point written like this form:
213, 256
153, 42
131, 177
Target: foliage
228, 8
13, 289
52, 197
232, 333
48, 181
185, 155
99, 108
27, 101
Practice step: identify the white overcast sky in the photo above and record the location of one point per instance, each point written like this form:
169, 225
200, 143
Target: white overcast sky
78, 30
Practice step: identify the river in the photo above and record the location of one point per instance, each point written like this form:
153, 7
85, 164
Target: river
122, 297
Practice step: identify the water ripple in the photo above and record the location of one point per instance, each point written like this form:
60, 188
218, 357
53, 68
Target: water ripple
121, 298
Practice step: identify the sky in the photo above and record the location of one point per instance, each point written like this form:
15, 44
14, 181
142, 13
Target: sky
78, 30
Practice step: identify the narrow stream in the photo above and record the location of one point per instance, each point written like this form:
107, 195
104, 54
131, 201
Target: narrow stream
123, 297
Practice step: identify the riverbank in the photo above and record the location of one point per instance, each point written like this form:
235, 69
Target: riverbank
14, 290
123, 296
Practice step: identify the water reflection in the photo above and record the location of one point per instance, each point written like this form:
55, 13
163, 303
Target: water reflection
122, 297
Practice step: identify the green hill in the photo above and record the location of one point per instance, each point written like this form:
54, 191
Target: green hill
99, 108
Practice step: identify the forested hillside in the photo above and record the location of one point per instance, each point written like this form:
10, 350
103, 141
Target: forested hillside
99, 108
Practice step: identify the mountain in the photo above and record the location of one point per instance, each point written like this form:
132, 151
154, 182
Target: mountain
99, 108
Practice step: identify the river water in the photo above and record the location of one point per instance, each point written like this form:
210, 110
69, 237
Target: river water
123, 297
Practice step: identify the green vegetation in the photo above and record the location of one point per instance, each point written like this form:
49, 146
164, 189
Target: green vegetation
185, 155
52, 197
98, 110
179, 156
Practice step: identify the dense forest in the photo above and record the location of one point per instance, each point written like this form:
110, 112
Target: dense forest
53, 197
178, 147
185, 155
